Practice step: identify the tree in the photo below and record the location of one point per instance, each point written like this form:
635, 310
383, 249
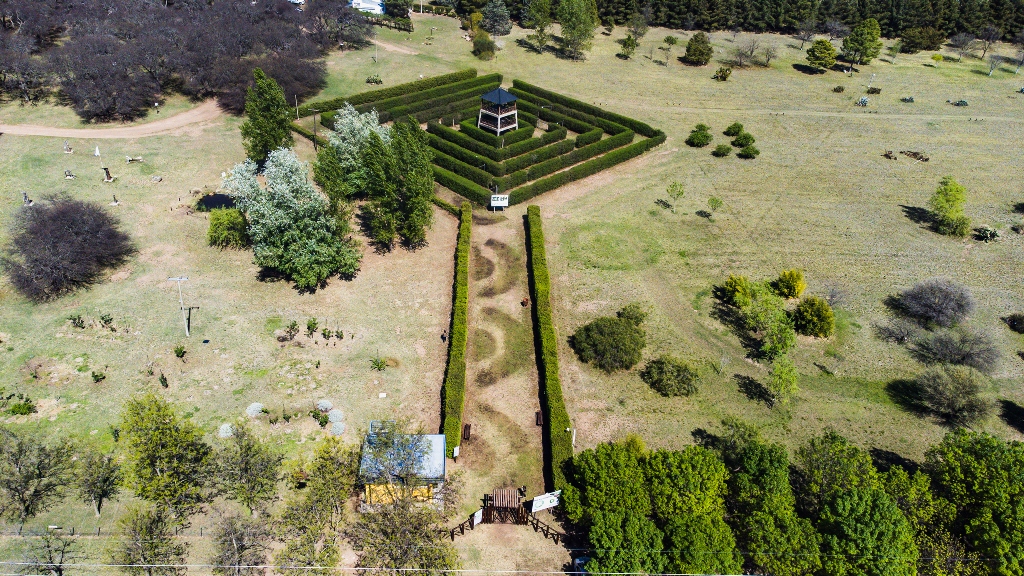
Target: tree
782, 379
698, 50
496, 19
821, 54
958, 347
53, 553
790, 283
670, 376
62, 245
714, 203
814, 317
701, 544
289, 224
864, 42
915, 40
624, 542
240, 544
769, 53
937, 301
579, 21
338, 166
33, 474
268, 123
1018, 41
953, 393
248, 470
676, 192
166, 461
806, 31
227, 228
836, 29
749, 48
629, 46
962, 43
988, 36
947, 203
99, 478
399, 185
483, 47
397, 8
539, 16
829, 466
147, 546
638, 24
864, 532
610, 343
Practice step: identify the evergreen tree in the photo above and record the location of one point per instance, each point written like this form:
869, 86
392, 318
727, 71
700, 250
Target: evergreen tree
698, 50
248, 469
268, 123
829, 466
821, 54
496, 18
99, 479
579, 21
864, 43
399, 184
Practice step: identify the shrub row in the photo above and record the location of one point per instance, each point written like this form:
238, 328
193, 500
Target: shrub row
557, 442
454, 390
585, 169
468, 171
389, 92
307, 134
468, 156
469, 128
448, 111
405, 99
439, 102
517, 178
589, 137
604, 124
539, 155
446, 206
497, 154
551, 116
637, 126
462, 186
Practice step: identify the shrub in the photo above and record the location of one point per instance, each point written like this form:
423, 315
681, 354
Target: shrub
953, 393
958, 347
633, 312
722, 74
764, 309
782, 380
874, 90
937, 301
453, 399
1015, 322
699, 138
609, 343
748, 152
483, 47
179, 351
721, 151
698, 50
98, 377
956, 226
814, 317
23, 408
839, 89
556, 417
737, 291
227, 228
947, 205
62, 245
77, 321
779, 337
743, 139
312, 325
790, 284
734, 129
670, 376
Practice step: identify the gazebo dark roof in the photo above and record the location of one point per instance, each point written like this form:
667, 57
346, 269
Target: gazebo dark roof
498, 96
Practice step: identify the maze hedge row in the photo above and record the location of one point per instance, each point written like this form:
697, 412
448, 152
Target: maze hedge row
389, 92
637, 126
405, 99
557, 441
454, 392
524, 132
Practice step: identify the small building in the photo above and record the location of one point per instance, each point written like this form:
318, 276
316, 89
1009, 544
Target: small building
498, 112
371, 6
377, 463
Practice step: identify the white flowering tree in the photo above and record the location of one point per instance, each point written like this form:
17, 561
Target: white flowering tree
338, 165
291, 228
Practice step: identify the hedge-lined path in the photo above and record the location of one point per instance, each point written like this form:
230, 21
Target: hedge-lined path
206, 112
501, 378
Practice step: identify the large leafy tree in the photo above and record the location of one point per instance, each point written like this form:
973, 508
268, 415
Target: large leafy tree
538, 16
700, 544
289, 224
240, 546
579, 21
248, 469
608, 477
980, 475
864, 42
625, 542
268, 123
829, 465
166, 460
99, 478
864, 533
33, 474
147, 546
338, 165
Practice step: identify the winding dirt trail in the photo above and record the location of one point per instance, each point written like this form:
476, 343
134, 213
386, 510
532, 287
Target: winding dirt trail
205, 112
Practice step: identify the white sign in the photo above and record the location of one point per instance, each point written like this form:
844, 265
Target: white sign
545, 501
499, 200
478, 517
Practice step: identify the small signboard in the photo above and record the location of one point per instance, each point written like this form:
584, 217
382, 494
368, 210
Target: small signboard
545, 501
478, 517
499, 200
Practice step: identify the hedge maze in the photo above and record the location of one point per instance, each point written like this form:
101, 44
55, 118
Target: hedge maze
560, 140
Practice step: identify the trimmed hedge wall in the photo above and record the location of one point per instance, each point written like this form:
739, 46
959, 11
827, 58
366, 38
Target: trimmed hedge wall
454, 392
635, 125
309, 135
462, 186
459, 153
557, 442
446, 206
421, 105
389, 92
545, 106
469, 128
405, 99
589, 137
552, 117
467, 171
524, 161
497, 154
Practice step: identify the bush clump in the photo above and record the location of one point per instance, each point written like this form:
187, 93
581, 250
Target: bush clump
814, 317
483, 47
790, 284
748, 152
839, 89
227, 228
737, 290
610, 343
1015, 322
61, 245
699, 137
959, 347
721, 151
947, 205
670, 376
938, 301
734, 129
743, 139
722, 74
698, 50
953, 393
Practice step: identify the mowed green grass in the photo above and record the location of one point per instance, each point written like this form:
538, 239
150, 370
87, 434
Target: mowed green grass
14, 112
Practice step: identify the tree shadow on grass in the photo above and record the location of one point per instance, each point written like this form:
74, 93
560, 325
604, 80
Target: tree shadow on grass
1013, 414
810, 70
884, 460
918, 215
753, 390
907, 395
733, 319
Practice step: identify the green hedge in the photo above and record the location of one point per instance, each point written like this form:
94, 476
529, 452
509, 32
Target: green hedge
469, 157
462, 186
454, 391
440, 101
405, 99
447, 110
553, 117
557, 441
460, 139
446, 206
308, 135
635, 125
585, 169
469, 128
389, 92
467, 171
589, 137
517, 178
539, 155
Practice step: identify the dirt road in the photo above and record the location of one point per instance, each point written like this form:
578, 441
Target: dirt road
205, 112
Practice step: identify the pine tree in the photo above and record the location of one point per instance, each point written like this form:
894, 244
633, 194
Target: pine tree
496, 19
579, 21
698, 50
864, 43
417, 190
268, 126
821, 54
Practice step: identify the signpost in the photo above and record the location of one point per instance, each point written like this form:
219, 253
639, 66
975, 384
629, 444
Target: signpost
545, 501
499, 201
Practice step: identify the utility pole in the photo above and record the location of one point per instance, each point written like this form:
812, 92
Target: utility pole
181, 301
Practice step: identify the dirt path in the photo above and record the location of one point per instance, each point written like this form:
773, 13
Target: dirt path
205, 112
395, 48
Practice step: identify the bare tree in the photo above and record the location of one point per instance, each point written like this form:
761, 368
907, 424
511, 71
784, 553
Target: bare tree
938, 301
99, 479
994, 60
750, 46
769, 53
53, 553
836, 30
806, 31
33, 474
1018, 41
962, 43
958, 347
953, 393
240, 544
988, 36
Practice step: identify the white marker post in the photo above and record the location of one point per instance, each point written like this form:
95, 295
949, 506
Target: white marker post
181, 300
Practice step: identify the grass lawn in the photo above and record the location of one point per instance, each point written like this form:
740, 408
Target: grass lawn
65, 117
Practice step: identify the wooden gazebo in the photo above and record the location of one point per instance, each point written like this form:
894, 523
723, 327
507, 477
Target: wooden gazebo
498, 112
504, 505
